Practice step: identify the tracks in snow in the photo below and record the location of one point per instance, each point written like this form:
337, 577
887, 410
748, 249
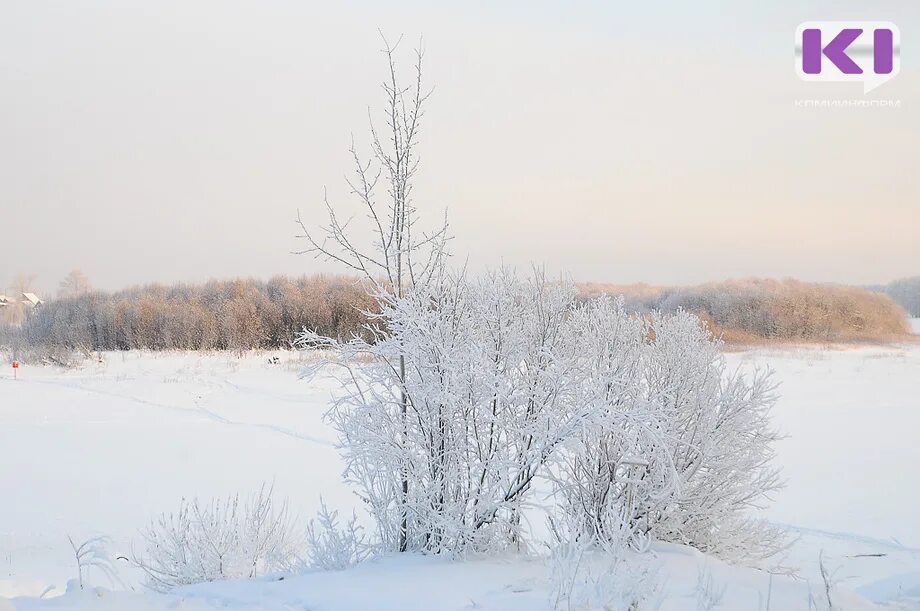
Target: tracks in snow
198, 407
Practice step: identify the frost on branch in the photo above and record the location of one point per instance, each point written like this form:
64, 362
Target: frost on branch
223, 539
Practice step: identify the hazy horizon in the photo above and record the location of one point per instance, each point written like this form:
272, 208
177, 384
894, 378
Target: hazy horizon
176, 141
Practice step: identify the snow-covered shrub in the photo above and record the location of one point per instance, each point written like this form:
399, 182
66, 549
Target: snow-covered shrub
492, 389
709, 594
506, 381
602, 477
222, 539
722, 442
331, 547
692, 463
585, 574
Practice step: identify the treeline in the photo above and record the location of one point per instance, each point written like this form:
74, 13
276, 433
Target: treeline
906, 292
218, 315
253, 314
749, 311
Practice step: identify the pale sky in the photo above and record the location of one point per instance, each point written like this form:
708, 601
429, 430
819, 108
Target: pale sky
176, 140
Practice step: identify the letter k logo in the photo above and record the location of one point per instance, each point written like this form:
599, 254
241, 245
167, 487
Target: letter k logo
834, 51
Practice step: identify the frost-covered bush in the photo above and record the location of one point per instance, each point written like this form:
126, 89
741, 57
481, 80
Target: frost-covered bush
508, 381
602, 478
490, 390
721, 442
696, 459
334, 547
222, 539
587, 574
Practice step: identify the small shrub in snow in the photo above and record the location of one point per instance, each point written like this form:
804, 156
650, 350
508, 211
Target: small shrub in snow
225, 538
331, 547
709, 594
93, 553
588, 575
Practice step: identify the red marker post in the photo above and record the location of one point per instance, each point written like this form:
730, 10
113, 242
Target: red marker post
15, 367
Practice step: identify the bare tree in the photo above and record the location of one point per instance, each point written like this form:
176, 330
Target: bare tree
401, 255
74, 284
23, 283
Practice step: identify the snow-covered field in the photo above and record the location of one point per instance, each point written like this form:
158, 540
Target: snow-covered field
100, 449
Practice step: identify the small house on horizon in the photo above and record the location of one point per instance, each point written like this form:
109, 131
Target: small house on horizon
31, 299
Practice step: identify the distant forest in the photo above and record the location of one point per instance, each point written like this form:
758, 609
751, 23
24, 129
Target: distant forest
217, 315
906, 292
254, 314
754, 310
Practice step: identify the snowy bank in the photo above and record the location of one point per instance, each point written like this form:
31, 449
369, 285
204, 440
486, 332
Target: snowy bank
102, 448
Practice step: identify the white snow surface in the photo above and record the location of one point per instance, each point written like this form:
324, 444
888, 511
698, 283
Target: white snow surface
102, 448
